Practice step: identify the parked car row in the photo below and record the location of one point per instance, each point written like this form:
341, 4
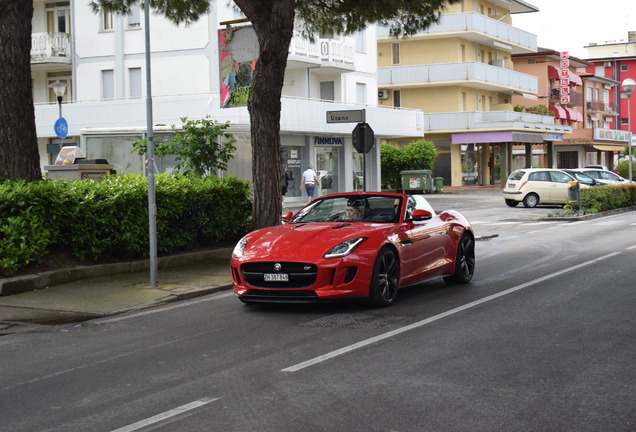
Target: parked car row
533, 186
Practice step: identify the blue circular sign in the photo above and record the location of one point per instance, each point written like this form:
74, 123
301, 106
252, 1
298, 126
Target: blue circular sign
61, 127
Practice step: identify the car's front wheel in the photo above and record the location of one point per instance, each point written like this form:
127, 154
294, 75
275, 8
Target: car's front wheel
511, 203
531, 200
385, 278
464, 261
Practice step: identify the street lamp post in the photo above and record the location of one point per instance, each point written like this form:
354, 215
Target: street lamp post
628, 87
59, 87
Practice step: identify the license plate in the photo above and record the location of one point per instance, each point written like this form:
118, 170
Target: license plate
511, 185
276, 277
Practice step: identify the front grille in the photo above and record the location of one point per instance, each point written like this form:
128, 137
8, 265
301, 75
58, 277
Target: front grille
301, 275
280, 296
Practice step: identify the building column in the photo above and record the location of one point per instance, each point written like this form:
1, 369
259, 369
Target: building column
550, 150
506, 159
528, 155
456, 165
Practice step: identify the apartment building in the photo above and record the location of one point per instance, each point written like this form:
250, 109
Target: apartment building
101, 59
588, 110
460, 74
616, 60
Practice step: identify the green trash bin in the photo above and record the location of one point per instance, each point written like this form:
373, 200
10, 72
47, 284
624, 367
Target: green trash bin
439, 184
414, 181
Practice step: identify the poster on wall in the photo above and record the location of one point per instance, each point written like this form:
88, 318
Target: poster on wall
238, 53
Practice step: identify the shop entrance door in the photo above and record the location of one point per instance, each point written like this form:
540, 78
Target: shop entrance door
327, 164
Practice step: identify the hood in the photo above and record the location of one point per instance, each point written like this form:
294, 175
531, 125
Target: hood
310, 241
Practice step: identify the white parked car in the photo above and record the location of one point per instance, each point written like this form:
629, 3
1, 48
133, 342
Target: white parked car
533, 186
602, 176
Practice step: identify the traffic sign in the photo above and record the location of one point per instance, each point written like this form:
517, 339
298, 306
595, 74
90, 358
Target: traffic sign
61, 128
362, 138
348, 116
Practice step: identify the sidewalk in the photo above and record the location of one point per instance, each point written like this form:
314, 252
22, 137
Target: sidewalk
104, 290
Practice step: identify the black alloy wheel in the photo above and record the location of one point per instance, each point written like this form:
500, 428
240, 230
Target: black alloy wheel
385, 278
464, 261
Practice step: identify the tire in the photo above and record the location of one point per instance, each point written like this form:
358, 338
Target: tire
464, 261
385, 278
512, 203
531, 200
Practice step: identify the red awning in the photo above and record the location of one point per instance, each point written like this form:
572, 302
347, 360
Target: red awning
555, 74
575, 80
559, 112
574, 115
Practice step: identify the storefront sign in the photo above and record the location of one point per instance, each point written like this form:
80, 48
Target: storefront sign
548, 136
328, 141
610, 135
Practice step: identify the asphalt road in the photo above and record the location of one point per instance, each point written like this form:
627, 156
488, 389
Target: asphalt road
543, 339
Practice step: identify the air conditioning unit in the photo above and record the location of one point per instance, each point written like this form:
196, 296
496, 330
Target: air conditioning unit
608, 64
383, 94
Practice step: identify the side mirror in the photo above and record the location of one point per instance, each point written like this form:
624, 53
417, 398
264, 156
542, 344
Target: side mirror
420, 215
287, 216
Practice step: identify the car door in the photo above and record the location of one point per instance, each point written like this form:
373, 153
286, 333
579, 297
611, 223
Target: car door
428, 245
559, 184
539, 183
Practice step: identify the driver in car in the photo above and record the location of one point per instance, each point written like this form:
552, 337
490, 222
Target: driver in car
355, 210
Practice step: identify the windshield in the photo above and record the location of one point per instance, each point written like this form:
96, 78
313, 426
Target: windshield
354, 208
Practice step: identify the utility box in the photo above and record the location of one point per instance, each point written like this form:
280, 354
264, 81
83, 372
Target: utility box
417, 181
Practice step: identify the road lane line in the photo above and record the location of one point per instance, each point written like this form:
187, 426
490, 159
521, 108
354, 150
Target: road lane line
165, 415
422, 323
631, 247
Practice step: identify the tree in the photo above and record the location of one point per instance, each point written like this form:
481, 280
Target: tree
200, 146
417, 155
273, 22
19, 158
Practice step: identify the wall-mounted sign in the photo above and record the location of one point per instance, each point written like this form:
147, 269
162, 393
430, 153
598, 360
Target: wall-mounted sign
565, 77
611, 135
328, 141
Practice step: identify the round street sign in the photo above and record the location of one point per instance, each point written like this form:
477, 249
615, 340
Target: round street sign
61, 128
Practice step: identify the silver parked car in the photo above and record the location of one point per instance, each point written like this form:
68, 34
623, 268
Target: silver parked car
602, 176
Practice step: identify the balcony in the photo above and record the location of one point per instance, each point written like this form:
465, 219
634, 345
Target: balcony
491, 120
477, 28
298, 115
470, 74
50, 48
602, 107
326, 53
576, 98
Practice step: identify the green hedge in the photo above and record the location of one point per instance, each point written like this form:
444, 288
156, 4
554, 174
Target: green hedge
108, 220
610, 197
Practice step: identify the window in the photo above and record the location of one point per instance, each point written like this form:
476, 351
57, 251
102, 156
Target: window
134, 21
58, 17
361, 93
463, 102
463, 52
623, 68
397, 102
395, 53
134, 81
327, 91
106, 21
108, 84
624, 121
360, 41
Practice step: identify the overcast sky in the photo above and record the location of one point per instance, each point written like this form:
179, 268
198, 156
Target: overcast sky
569, 25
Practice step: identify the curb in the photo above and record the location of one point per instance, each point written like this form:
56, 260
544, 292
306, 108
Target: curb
36, 281
587, 216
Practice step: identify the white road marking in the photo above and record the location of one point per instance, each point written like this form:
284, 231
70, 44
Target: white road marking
631, 247
165, 415
422, 323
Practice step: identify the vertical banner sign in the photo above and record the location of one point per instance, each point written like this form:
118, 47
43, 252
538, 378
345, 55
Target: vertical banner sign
565, 77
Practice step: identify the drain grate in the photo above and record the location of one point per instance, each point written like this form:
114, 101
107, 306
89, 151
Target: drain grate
354, 321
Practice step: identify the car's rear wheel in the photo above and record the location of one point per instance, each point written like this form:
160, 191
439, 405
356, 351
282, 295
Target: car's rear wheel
464, 261
385, 278
531, 200
511, 203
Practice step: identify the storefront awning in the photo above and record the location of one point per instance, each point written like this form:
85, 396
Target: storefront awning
559, 112
612, 148
555, 74
574, 115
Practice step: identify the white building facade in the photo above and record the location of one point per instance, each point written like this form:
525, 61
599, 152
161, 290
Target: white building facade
101, 58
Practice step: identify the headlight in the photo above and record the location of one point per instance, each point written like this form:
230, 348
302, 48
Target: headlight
345, 248
239, 248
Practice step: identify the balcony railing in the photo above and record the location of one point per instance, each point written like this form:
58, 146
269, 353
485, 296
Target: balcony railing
576, 98
496, 77
326, 50
471, 22
50, 47
466, 121
602, 107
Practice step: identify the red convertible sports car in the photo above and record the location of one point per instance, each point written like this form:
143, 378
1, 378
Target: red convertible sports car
353, 245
